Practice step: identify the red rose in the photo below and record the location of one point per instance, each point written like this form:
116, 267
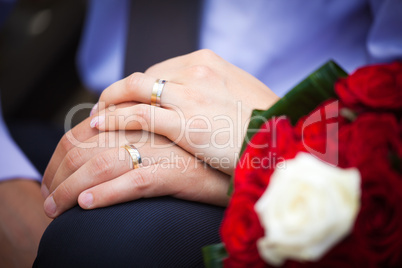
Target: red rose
376, 87
367, 144
378, 226
319, 131
370, 140
345, 254
241, 227
267, 147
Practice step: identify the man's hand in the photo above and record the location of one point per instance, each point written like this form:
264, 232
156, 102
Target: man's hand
22, 222
90, 168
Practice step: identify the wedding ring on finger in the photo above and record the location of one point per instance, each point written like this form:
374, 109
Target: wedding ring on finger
157, 92
134, 154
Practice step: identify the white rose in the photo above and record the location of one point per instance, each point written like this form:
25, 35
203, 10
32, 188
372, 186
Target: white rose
308, 207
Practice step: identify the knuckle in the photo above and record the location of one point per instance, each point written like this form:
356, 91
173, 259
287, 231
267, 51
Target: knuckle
71, 139
74, 159
134, 83
200, 71
139, 181
206, 54
102, 165
64, 194
143, 111
65, 143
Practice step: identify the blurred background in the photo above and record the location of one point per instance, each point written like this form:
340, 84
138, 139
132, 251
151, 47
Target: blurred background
39, 83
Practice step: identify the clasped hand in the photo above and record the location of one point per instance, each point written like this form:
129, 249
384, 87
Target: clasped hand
189, 145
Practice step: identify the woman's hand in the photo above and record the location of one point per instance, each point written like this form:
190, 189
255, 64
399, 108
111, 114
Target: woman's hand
205, 105
92, 169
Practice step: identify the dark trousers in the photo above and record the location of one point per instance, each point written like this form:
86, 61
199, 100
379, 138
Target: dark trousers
155, 232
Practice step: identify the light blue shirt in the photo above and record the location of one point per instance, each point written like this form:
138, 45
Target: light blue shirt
278, 41
13, 163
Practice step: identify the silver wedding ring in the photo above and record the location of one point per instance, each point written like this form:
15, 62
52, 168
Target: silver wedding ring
157, 92
135, 155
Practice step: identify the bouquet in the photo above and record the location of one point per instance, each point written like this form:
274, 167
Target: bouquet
320, 183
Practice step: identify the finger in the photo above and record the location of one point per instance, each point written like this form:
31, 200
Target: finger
209, 186
74, 137
142, 116
136, 87
78, 156
102, 167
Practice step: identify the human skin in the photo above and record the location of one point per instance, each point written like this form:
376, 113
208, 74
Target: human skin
90, 168
205, 109
206, 105
22, 222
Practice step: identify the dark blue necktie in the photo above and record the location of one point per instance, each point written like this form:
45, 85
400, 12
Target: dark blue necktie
160, 30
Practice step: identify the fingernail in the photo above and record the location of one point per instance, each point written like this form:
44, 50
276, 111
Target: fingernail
97, 121
44, 191
94, 121
87, 200
101, 120
50, 206
94, 109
